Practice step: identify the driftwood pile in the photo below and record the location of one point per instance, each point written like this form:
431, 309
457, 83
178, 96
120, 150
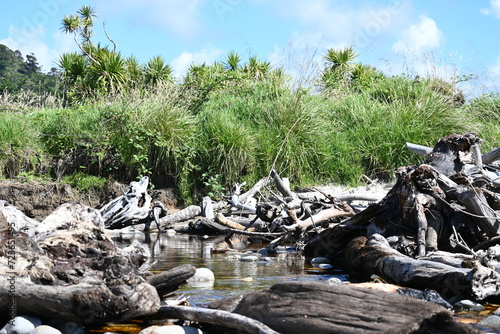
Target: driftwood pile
437, 228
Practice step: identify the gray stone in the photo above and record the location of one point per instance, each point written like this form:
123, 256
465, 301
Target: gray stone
320, 260
67, 327
44, 329
18, 325
468, 305
325, 266
491, 321
333, 281
249, 258
203, 277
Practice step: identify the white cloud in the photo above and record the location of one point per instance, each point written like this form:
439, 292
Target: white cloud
31, 41
493, 10
333, 23
206, 55
420, 37
179, 17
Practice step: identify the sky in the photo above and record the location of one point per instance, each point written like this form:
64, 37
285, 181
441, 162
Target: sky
451, 39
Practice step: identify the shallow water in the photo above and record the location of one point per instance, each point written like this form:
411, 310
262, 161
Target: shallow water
232, 276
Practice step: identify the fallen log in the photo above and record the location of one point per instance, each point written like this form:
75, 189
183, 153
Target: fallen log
185, 214
214, 317
375, 256
83, 302
302, 307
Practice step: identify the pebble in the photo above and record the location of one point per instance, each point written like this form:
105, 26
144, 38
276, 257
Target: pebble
174, 329
44, 329
249, 258
492, 321
67, 327
202, 277
170, 232
18, 325
325, 266
333, 281
468, 305
320, 260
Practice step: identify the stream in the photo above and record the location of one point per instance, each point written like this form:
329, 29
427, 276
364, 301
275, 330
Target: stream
232, 276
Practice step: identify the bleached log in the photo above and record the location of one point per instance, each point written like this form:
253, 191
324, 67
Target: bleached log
419, 149
185, 214
130, 208
319, 218
282, 186
254, 190
208, 210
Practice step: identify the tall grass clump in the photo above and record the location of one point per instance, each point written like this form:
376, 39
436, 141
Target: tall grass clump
267, 126
486, 110
20, 150
373, 126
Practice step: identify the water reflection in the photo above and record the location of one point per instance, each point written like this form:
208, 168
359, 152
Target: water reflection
232, 276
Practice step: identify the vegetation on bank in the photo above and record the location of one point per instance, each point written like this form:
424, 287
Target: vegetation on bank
227, 122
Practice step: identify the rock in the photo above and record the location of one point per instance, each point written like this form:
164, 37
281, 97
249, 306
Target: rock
319, 260
249, 258
333, 281
174, 329
468, 305
44, 329
325, 266
202, 277
67, 327
18, 325
491, 321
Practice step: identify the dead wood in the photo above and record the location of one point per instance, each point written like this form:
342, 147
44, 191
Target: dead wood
128, 209
185, 214
214, 317
170, 280
302, 307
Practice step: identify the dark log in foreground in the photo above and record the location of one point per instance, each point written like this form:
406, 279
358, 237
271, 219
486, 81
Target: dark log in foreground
85, 303
214, 317
313, 307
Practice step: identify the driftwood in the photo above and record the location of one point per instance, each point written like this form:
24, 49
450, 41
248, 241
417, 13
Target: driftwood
302, 307
449, 203
70, 269
376, 256
130, 208
214, 317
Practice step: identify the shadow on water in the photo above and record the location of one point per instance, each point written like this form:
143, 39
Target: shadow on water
232, 276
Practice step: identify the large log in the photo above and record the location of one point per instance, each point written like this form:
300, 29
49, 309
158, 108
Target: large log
306, 307
376, 256
85, 303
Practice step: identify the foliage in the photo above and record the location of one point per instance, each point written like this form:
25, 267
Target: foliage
85, 183
18, 75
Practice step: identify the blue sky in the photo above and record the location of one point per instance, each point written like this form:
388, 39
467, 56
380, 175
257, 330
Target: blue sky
445, 38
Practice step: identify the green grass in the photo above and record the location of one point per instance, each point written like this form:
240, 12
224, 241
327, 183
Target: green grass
239, 132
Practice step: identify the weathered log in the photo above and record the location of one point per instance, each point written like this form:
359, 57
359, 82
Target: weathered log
319, 218
170, 280
376, 256
227, 222
86, 303
185, 214
302, 307
254, 190
130, 208
491, 156
419, 149
281, 186
213, 317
